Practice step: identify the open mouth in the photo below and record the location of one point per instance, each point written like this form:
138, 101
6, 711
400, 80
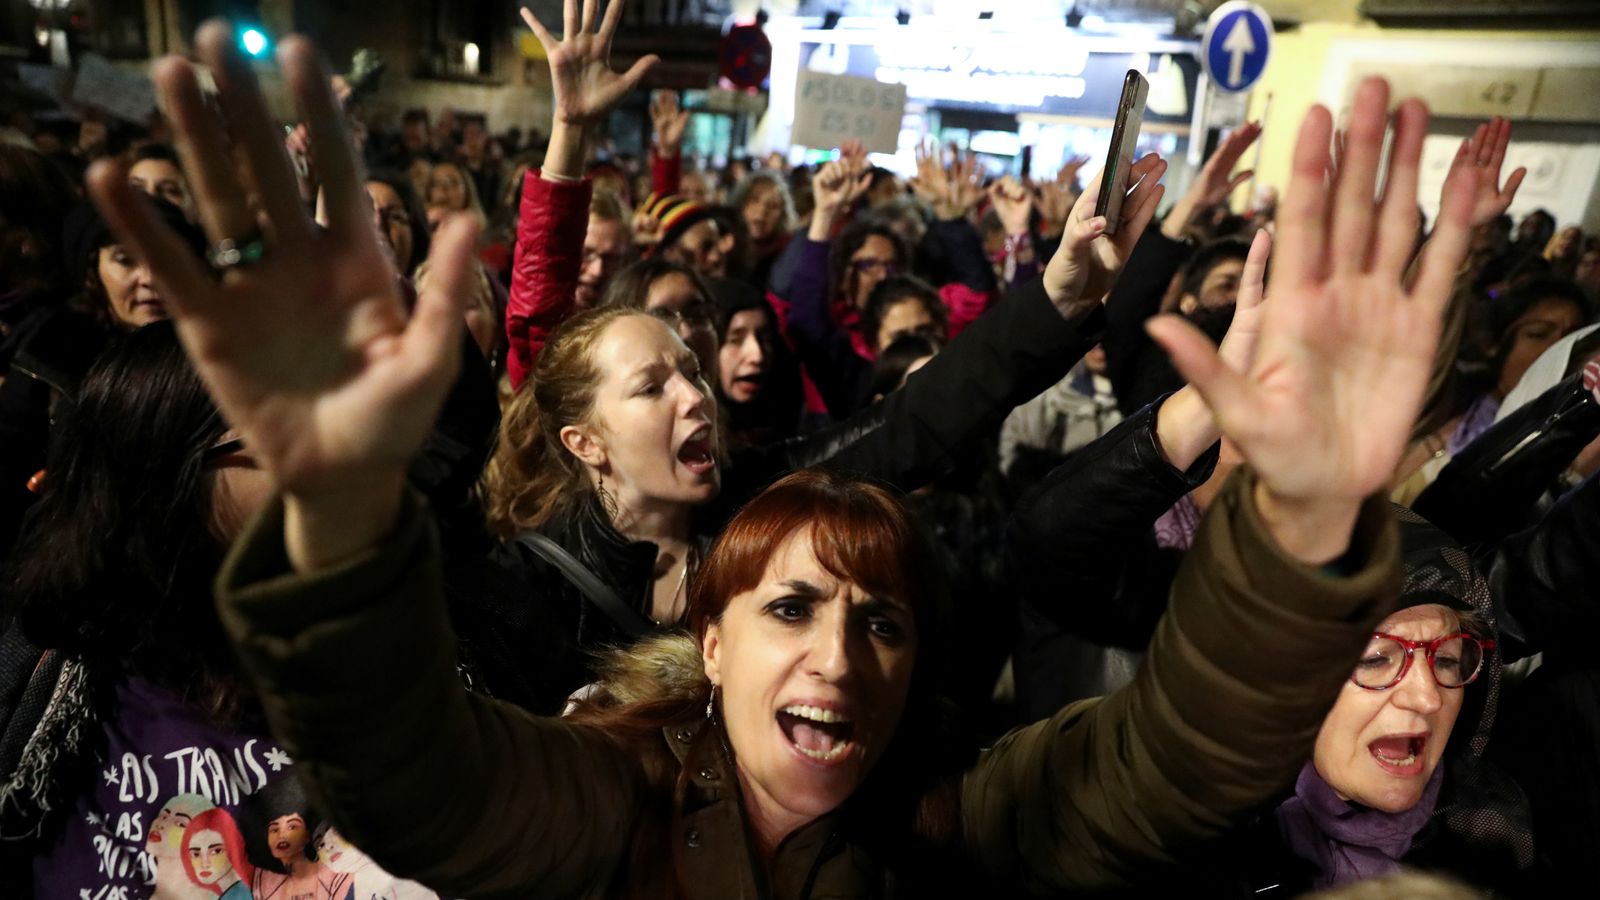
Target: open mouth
695, 454
1399, 754
820, 734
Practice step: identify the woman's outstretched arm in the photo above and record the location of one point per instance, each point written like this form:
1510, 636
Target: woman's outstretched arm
334, 596
1297, 560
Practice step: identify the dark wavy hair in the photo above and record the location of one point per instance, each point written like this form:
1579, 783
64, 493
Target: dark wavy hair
630, 288
36, 196
898, 289
889, 369
1208, 257
421, 239
852, 238
116, 561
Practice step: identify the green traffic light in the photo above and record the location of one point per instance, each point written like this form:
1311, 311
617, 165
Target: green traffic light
253, 40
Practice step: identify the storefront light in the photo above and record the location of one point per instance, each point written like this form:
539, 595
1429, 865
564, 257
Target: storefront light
470, 54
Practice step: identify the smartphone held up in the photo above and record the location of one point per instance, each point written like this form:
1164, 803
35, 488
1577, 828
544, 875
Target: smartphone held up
1119, 158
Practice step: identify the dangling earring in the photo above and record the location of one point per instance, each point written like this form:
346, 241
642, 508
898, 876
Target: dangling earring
711, 702
607, 502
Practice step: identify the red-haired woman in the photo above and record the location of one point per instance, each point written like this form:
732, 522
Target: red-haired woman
795, 749
614, 451
213, 855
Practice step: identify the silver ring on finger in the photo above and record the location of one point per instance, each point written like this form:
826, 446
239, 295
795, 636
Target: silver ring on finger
230, 253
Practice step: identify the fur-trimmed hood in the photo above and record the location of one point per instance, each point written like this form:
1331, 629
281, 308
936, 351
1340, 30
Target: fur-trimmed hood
658, 667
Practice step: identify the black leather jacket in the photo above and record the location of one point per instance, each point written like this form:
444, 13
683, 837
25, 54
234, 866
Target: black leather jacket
1497, 484
530, 635
1084, 560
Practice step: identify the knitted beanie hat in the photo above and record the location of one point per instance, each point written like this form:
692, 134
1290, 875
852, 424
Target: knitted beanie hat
676, 213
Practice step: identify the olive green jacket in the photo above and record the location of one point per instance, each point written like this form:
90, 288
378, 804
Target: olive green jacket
356, 669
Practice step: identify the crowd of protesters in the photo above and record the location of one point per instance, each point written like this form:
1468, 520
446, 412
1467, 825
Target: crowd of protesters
547, 522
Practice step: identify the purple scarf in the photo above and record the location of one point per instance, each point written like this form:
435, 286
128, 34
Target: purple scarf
1176, 527
1475, 421
1348, 842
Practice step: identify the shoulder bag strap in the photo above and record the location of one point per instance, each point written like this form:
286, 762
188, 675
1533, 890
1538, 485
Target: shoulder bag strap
629, 620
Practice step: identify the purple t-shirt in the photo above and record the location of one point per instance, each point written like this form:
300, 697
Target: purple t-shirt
183, 809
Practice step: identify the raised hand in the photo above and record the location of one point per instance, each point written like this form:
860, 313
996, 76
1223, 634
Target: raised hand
307, 350
668, 120
1185, 426
1055, 197
951, 190
1478, 162
585, 87
834, 187
1088, 261
1215, 181
1345, 350
838, 183
580, 62
1013, 203
1238, 348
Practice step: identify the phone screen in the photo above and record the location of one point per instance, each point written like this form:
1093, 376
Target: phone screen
1119, 158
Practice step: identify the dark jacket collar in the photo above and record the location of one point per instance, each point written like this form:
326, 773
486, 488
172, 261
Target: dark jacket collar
584, 530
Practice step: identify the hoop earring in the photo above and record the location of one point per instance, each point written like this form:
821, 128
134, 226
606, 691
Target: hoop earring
711, 702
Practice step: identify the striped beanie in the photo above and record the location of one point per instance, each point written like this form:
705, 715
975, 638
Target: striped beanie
676, 213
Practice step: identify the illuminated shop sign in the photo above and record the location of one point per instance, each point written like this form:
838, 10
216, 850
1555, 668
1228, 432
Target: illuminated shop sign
1006, 77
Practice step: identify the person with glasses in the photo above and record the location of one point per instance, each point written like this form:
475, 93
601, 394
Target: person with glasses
399, 216
804, 754
825, 313
1398, 772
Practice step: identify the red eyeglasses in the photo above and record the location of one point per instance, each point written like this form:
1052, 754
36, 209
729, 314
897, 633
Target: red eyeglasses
1455, 660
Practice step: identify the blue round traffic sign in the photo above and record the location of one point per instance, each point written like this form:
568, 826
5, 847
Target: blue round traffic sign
1234, 49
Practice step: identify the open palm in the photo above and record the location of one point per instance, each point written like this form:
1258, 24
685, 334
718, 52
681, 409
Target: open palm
1478, 162
1345, 350
309, 352
580, 62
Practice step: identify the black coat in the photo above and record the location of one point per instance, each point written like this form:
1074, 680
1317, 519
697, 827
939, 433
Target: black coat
530, 635
53, 349
1084, 562
1139, 369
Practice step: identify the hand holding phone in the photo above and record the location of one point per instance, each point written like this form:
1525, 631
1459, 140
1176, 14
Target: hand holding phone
1119, 159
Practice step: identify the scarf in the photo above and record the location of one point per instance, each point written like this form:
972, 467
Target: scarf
1176, 528
1347, 842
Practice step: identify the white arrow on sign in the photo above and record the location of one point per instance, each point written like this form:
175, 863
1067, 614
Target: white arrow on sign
1238, 44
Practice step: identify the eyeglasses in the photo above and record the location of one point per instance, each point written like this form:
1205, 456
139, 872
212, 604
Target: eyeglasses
868, 266
1455, 660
